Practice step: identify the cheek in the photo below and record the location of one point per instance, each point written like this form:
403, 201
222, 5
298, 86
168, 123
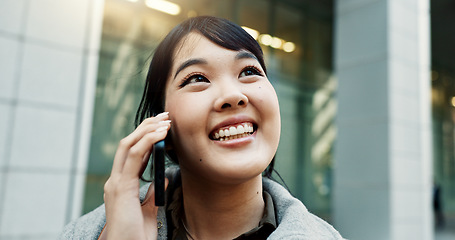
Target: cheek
270, 111
185, 113
268, 100
174, 108
188, 126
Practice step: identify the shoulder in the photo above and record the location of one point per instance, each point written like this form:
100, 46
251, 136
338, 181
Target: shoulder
293, 218
88, 226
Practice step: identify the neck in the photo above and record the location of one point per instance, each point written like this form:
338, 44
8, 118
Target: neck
221, 211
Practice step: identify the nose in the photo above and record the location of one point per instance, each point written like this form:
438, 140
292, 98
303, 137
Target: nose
230, 97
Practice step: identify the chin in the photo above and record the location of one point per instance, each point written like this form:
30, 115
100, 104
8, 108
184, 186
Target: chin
228, 167
237, 173
234, 178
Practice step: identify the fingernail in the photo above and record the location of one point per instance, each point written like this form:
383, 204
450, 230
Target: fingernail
162, 129
165, 121
162, 114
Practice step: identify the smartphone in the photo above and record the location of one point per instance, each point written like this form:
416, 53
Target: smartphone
158, 168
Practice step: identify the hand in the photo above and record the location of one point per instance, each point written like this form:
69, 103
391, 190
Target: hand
126, 218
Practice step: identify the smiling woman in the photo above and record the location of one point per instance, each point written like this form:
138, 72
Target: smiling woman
227, 94
208, 96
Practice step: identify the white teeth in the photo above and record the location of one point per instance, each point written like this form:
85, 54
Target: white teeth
226, 133
248, 127
242, 130
232, 131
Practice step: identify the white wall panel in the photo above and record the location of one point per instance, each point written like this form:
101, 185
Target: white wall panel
43, 139
9, 54
59, 22
50, 75
12, 14
5, 110
48, 68
35, 203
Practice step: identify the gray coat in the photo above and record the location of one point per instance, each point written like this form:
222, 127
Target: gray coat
293, 219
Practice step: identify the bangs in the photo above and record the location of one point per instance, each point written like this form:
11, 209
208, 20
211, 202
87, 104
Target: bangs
225, 34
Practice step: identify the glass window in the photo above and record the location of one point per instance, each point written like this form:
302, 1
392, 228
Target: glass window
306, 88
443, 106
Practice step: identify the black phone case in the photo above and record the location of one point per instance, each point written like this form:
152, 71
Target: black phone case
158, 166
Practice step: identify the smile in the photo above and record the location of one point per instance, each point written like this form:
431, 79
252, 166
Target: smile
233, 132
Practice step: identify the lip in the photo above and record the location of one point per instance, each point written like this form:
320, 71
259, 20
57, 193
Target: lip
233, 121
236, 143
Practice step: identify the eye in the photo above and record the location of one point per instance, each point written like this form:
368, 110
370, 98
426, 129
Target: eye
194, 78
250, 70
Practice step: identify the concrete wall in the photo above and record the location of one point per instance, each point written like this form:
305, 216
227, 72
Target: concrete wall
383, 164
48, 64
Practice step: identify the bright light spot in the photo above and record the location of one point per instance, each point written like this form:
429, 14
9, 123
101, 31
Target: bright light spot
265, 39
252, 32
276, 42
163, 6
268, 40
289, 47
132, 0
453, 101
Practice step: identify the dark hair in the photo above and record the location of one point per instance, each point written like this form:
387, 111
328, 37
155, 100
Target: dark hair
220, 31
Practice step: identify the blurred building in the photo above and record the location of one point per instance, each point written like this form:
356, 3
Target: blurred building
360, 109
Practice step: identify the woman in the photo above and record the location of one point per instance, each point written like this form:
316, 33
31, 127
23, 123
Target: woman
208, 90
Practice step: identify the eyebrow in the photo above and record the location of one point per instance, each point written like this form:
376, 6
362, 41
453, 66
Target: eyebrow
196, 61
245, 54
188, 63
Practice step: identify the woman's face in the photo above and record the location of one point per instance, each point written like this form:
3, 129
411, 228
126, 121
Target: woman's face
213, 92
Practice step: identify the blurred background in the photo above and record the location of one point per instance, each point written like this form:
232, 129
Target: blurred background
366, 90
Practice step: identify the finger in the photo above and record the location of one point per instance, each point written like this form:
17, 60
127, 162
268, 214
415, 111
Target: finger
147, 126
136, 154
